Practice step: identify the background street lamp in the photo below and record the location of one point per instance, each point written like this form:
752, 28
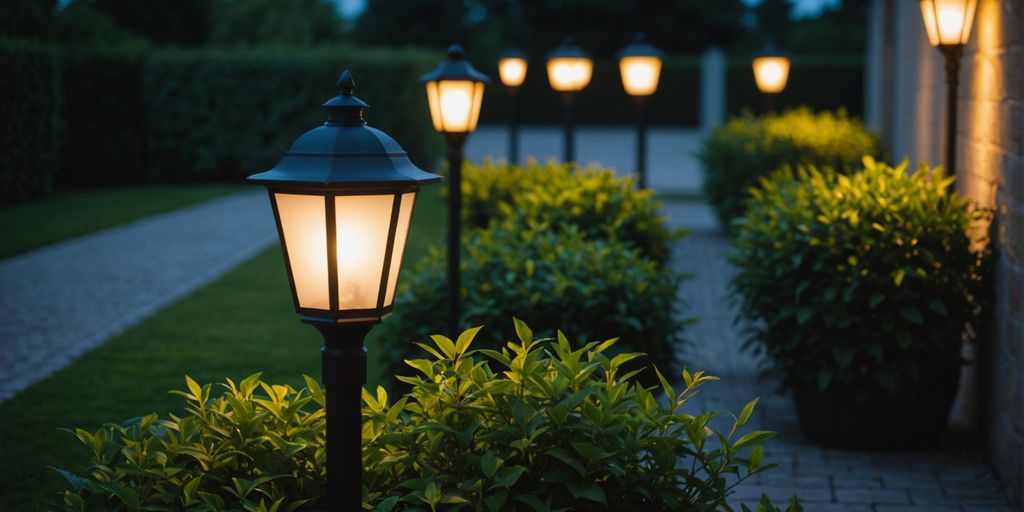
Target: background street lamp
343, 197
771, 71
454, 92
948, 23
512, 69
569, 71
640, 69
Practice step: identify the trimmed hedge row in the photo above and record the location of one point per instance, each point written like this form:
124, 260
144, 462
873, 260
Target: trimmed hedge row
134, 114
29, 106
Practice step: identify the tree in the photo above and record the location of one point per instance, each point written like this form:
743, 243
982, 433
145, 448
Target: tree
178, 22
294, 22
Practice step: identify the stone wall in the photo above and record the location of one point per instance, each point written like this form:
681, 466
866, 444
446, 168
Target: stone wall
907, 94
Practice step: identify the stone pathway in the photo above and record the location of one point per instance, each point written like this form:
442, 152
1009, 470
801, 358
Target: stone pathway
944, 480
58, 302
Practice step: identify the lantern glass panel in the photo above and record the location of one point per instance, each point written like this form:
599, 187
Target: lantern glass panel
401, 236
363, 224
640, 74
771, 73
304, 231
512, 71
569, 74
454, 104
948, 22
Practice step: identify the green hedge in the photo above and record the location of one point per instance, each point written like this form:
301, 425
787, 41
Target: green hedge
821, 82
29, 106
103, 116
677, 101
220, 114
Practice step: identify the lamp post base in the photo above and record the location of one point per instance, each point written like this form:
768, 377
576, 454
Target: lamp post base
344, 374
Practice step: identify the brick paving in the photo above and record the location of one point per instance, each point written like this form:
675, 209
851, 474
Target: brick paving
58, 302
948, 479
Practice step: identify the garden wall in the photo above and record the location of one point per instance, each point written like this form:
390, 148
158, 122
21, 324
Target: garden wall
907, 96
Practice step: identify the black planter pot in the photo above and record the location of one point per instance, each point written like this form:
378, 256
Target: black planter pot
915, 417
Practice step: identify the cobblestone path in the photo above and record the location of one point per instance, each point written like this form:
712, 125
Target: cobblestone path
945, 480
58, 302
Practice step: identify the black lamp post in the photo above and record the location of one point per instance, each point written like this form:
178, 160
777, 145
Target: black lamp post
569, 71
948, 23
640, 69
771, 72
343, 197
455, 91
512, 70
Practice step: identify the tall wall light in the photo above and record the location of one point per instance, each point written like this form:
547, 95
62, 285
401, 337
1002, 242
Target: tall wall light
569, 71
948, 24
512, 67
455, 91
640, 70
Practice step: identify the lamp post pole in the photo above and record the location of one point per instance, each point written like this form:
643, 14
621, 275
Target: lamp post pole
569, 147
640, 107
343, 371
455, 142
952, 54
513, 125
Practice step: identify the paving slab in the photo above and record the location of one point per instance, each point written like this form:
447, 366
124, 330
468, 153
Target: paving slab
60, 301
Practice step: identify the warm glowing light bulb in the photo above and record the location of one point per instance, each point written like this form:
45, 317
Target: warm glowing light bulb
640, 75
569, 73
948, 22
512, 71
771, 73
455, 104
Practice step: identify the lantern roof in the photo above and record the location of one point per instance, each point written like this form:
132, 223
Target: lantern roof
569, 49
640, 48
512, 52
456, 67
344, 152
770, 50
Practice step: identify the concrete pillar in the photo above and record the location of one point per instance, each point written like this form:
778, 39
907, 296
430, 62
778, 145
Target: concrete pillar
712, 88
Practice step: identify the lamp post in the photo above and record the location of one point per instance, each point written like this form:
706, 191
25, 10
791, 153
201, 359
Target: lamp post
948, 23
512, 70
455, 90
343, 197
771, 72
640, 69
569, 71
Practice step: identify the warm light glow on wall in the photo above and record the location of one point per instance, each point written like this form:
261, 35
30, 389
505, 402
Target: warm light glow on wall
512, 71
569, 74
640, 75
771, 73
455, 105
948, 22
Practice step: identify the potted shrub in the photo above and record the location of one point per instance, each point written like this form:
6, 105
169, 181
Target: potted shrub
860, 290
738, 153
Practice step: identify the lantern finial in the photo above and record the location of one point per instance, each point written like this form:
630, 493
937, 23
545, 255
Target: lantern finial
455, 52
346, 83
346, 109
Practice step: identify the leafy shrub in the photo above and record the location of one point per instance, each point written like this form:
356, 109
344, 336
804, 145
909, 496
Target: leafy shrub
736, 154
852, 282
591, 289
600, 204
535, 426
29, 105
223, 114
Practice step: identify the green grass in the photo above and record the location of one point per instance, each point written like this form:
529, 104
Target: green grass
65, 214
240, 324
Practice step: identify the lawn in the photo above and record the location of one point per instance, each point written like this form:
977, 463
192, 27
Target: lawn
64, 214
240, 324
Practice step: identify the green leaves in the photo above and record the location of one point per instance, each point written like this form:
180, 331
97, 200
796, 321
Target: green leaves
886, 274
